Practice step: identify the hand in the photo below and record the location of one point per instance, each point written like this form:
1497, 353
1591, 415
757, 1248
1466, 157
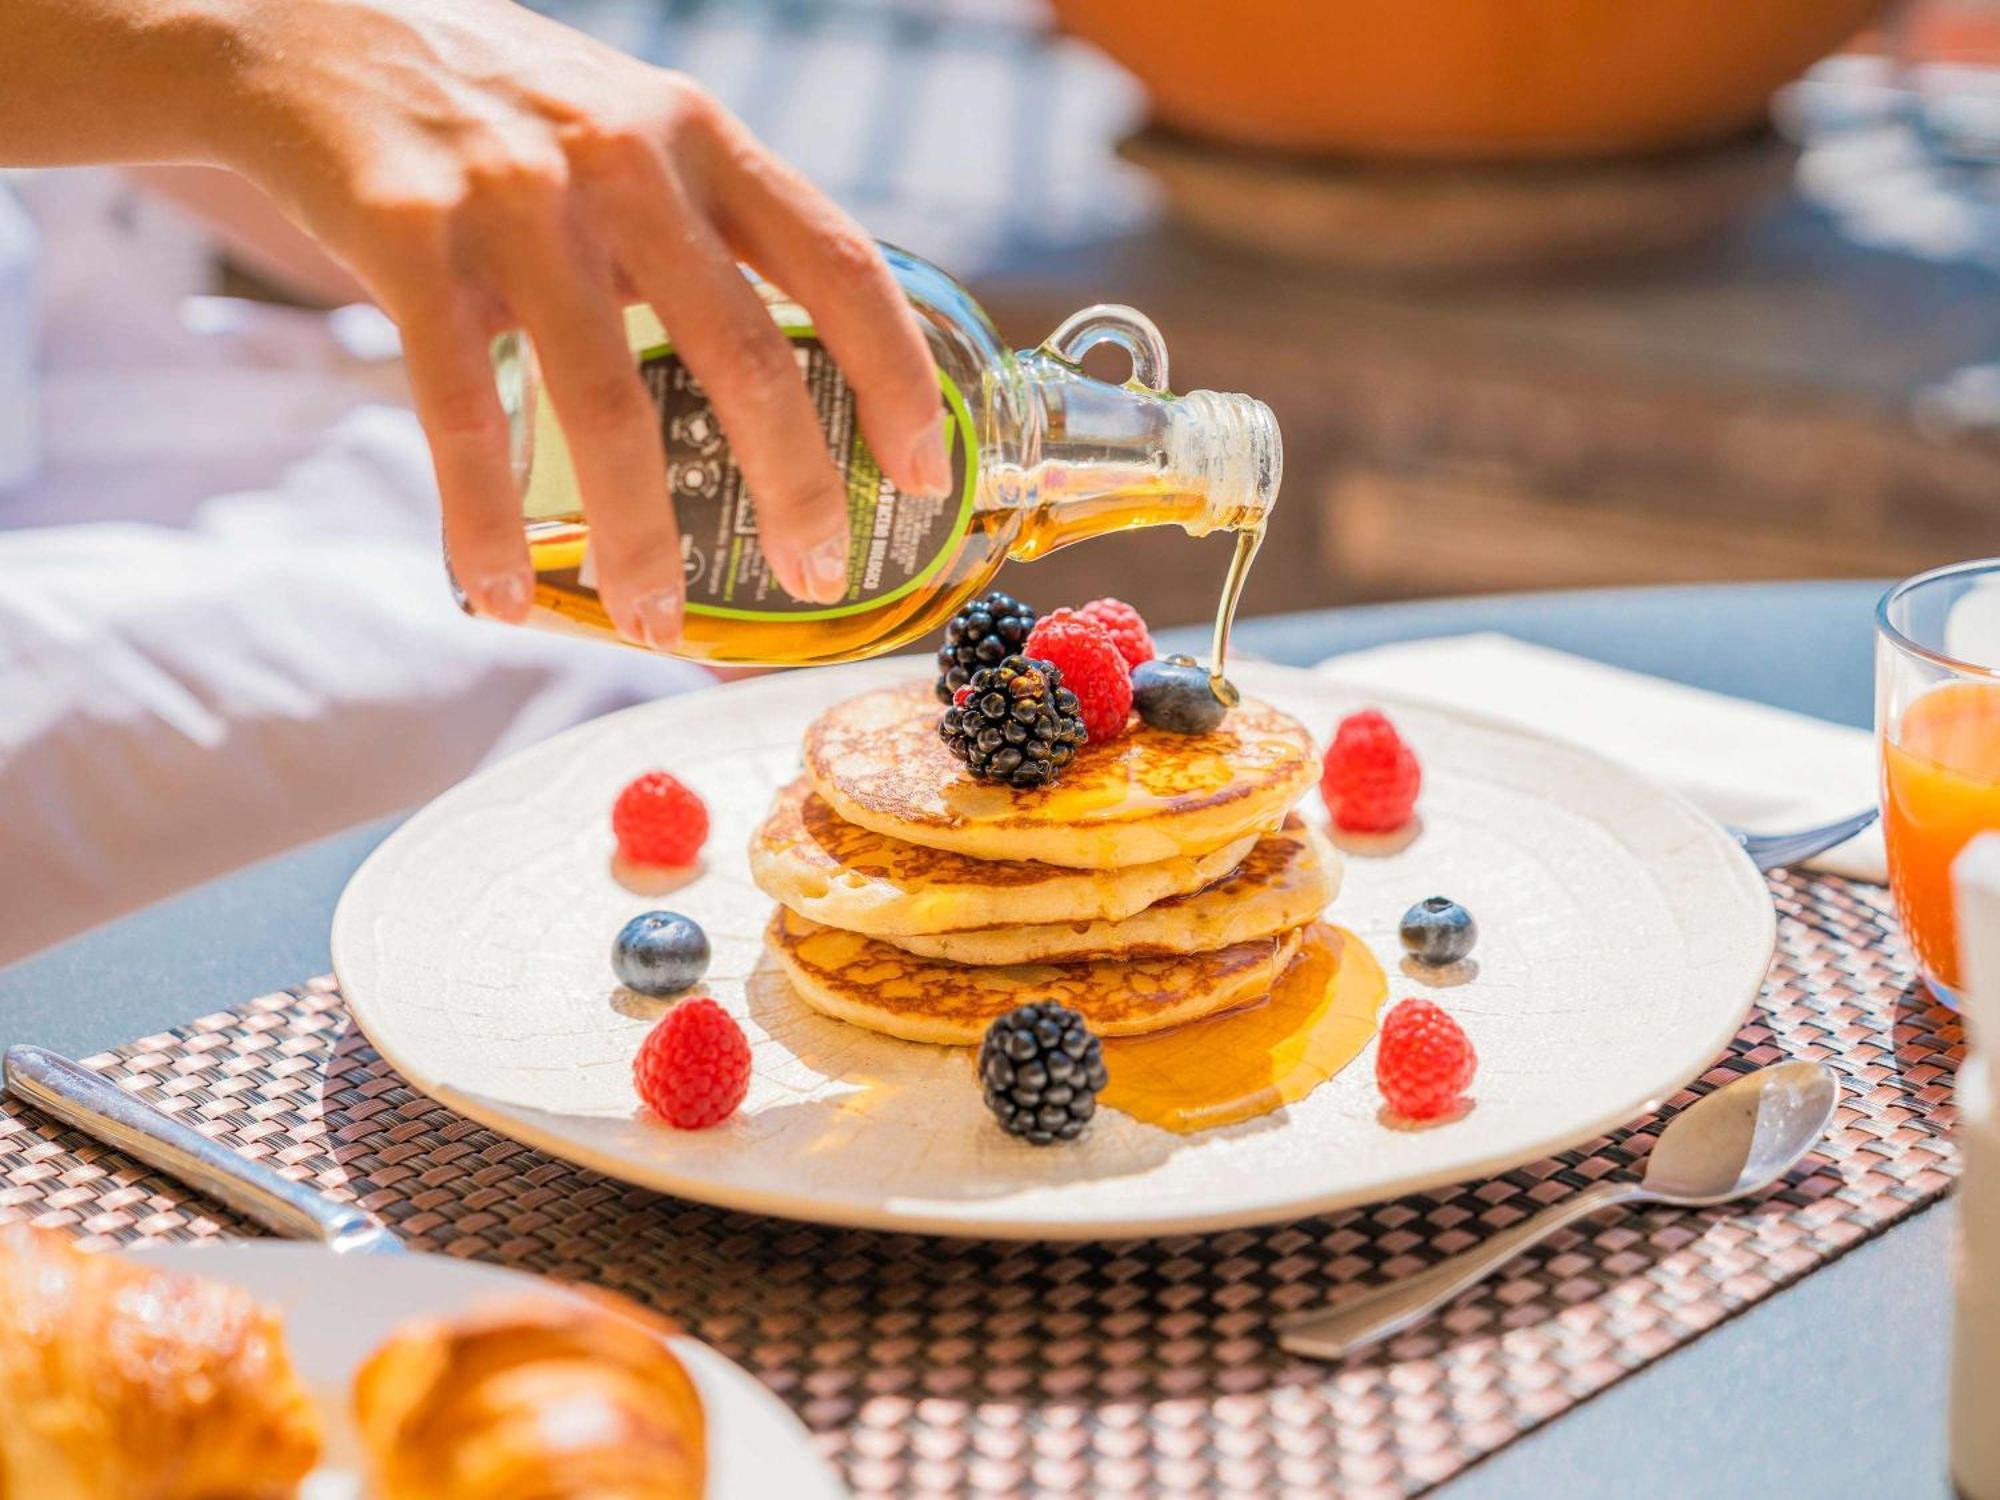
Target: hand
480, 167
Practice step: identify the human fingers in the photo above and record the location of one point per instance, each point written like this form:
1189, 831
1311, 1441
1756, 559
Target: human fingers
724, 333
804, 242
451, 382
567, 303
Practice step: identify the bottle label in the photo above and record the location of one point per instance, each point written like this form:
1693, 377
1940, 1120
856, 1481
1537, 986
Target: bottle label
898, 542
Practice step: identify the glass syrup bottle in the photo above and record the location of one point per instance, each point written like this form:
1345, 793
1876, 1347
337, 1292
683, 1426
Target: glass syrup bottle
1042, 455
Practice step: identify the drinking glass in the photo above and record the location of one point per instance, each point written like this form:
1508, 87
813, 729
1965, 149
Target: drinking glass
1937, 721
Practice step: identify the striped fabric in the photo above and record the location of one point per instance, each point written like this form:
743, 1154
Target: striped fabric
964, 130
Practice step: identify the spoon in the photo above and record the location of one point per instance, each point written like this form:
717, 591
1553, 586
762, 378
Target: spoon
1728, 1144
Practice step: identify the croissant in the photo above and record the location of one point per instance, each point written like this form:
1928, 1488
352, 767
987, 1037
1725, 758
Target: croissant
121, 1382
542, 1399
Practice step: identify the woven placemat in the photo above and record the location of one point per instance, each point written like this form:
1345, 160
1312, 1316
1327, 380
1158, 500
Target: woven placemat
932, 1367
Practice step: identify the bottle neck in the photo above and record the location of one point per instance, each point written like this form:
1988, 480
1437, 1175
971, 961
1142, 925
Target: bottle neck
1101, 458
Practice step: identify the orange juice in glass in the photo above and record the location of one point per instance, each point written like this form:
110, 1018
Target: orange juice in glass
1937, 717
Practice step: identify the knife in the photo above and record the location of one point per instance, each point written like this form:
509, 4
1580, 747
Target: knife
100, 1109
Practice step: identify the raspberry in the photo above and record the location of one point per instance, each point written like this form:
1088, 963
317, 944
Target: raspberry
1091, 667
659, 821
1122, 623
1369, 778
1424, 1063
693, 1069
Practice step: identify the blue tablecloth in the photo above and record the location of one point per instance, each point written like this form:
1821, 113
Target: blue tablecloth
1833, 1388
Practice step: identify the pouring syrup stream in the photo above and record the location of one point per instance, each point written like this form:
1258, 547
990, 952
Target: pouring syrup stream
1247, 543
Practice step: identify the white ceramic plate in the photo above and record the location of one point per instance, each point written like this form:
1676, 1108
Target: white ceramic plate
339, 1308
1623, 938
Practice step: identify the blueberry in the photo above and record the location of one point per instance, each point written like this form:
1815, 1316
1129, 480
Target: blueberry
1176, 695
1439, 931
660, 953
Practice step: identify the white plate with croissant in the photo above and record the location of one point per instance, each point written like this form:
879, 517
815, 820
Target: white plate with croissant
259, 1370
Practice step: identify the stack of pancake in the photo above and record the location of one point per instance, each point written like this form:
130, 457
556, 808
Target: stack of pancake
1162, 879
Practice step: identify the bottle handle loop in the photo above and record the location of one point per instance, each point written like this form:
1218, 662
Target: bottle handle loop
1113, 323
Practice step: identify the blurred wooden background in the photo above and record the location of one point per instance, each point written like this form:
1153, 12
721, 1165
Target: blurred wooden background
1750, 411
1814, 393
1764, 406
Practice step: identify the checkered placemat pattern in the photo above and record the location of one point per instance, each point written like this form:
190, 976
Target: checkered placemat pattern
931, 1367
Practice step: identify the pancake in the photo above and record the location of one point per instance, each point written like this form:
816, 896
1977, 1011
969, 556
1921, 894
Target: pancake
1285, 881
1146, 796
843, 875
870, 984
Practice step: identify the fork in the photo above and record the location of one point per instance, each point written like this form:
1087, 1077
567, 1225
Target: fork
1773, 851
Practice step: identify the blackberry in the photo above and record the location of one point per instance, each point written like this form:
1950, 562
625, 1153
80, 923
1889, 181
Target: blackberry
1018, 723
982, 634
1042, 1069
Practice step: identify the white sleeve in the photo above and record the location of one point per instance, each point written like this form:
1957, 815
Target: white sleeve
175, 702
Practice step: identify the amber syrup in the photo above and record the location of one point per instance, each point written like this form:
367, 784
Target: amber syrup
1076, 502
1041, 455
1248, 1062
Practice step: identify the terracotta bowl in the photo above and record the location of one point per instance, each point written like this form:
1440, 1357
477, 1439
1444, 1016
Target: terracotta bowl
1464, 79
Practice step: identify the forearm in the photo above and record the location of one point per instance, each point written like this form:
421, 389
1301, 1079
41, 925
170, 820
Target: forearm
481, 167
115, 80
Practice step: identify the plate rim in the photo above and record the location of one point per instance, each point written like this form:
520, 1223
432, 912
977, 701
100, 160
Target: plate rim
189, 1257
886, 1217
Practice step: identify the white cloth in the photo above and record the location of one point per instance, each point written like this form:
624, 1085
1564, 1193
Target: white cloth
1756, 767
178, 700
146, 411
188, 682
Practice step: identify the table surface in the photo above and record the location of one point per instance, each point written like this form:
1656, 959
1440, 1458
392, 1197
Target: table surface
1833, 1387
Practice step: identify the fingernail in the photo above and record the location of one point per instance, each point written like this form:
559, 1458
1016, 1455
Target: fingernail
504, 596
658, 617
826, 570
929, 463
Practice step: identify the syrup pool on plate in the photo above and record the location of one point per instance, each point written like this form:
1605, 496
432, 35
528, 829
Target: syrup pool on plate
1249, 1062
